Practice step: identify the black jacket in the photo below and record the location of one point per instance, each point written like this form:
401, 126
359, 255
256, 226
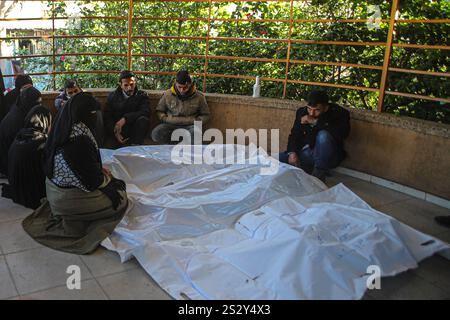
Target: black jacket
132, 108
60, 99
336, 121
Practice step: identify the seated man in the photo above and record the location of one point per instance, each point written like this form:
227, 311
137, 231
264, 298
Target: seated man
71, 87
127, 111
317, 137
179, 107
21, 83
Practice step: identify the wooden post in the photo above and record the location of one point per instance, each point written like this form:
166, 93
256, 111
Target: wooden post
130, 32
288, 56
205, 69
53, 48
387, 56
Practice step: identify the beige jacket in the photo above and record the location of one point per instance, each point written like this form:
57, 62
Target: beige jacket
172, 110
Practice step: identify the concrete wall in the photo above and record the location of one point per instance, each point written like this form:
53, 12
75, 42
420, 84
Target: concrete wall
408, 151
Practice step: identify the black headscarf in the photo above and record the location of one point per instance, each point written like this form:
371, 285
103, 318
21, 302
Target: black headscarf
82, 107
25, 160
21, 80
28, 98
14, 121
37, 124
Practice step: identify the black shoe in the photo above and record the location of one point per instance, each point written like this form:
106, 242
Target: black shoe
443, 220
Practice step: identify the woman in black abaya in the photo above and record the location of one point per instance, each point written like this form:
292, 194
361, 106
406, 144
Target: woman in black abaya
14, 121
84, 201
26, 160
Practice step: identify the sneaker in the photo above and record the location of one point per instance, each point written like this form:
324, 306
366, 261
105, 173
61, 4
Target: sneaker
443, 220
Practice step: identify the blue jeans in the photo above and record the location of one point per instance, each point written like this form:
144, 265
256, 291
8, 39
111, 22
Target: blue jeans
324, 156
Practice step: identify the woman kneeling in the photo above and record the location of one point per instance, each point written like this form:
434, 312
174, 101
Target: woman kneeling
84, 201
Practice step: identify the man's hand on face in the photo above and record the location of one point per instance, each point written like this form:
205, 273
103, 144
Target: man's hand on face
293, 160
70, 92
314, 113
118, 130
307, 119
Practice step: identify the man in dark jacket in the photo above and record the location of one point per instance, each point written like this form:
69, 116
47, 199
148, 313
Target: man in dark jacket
22, 82
71, 88
127, 111
316, 142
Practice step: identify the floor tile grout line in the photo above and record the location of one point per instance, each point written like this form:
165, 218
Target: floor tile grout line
407, 196
95, 279
389, 188
415, 273
114, 273
53, 287
11, 276
123, 271
24, 250
378, 207
84, 263
384, 204
49, 288
430, 282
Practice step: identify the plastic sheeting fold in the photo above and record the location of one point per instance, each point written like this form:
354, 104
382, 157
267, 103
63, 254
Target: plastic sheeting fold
225, 231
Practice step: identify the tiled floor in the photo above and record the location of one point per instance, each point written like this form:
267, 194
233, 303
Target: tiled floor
31, 271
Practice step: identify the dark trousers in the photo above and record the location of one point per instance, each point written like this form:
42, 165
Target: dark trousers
136, 131
325, 155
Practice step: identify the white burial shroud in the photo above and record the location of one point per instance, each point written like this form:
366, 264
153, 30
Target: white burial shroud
225, 231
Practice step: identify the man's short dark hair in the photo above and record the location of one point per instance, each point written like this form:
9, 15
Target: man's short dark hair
21, 80
126, 74
183, 77
316, 97
70, 83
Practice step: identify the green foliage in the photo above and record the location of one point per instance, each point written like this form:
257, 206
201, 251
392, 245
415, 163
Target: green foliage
414, 33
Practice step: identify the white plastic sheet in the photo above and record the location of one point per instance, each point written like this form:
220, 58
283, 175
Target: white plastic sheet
227, 232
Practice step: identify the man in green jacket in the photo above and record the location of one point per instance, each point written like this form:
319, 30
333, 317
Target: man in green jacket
179, 107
